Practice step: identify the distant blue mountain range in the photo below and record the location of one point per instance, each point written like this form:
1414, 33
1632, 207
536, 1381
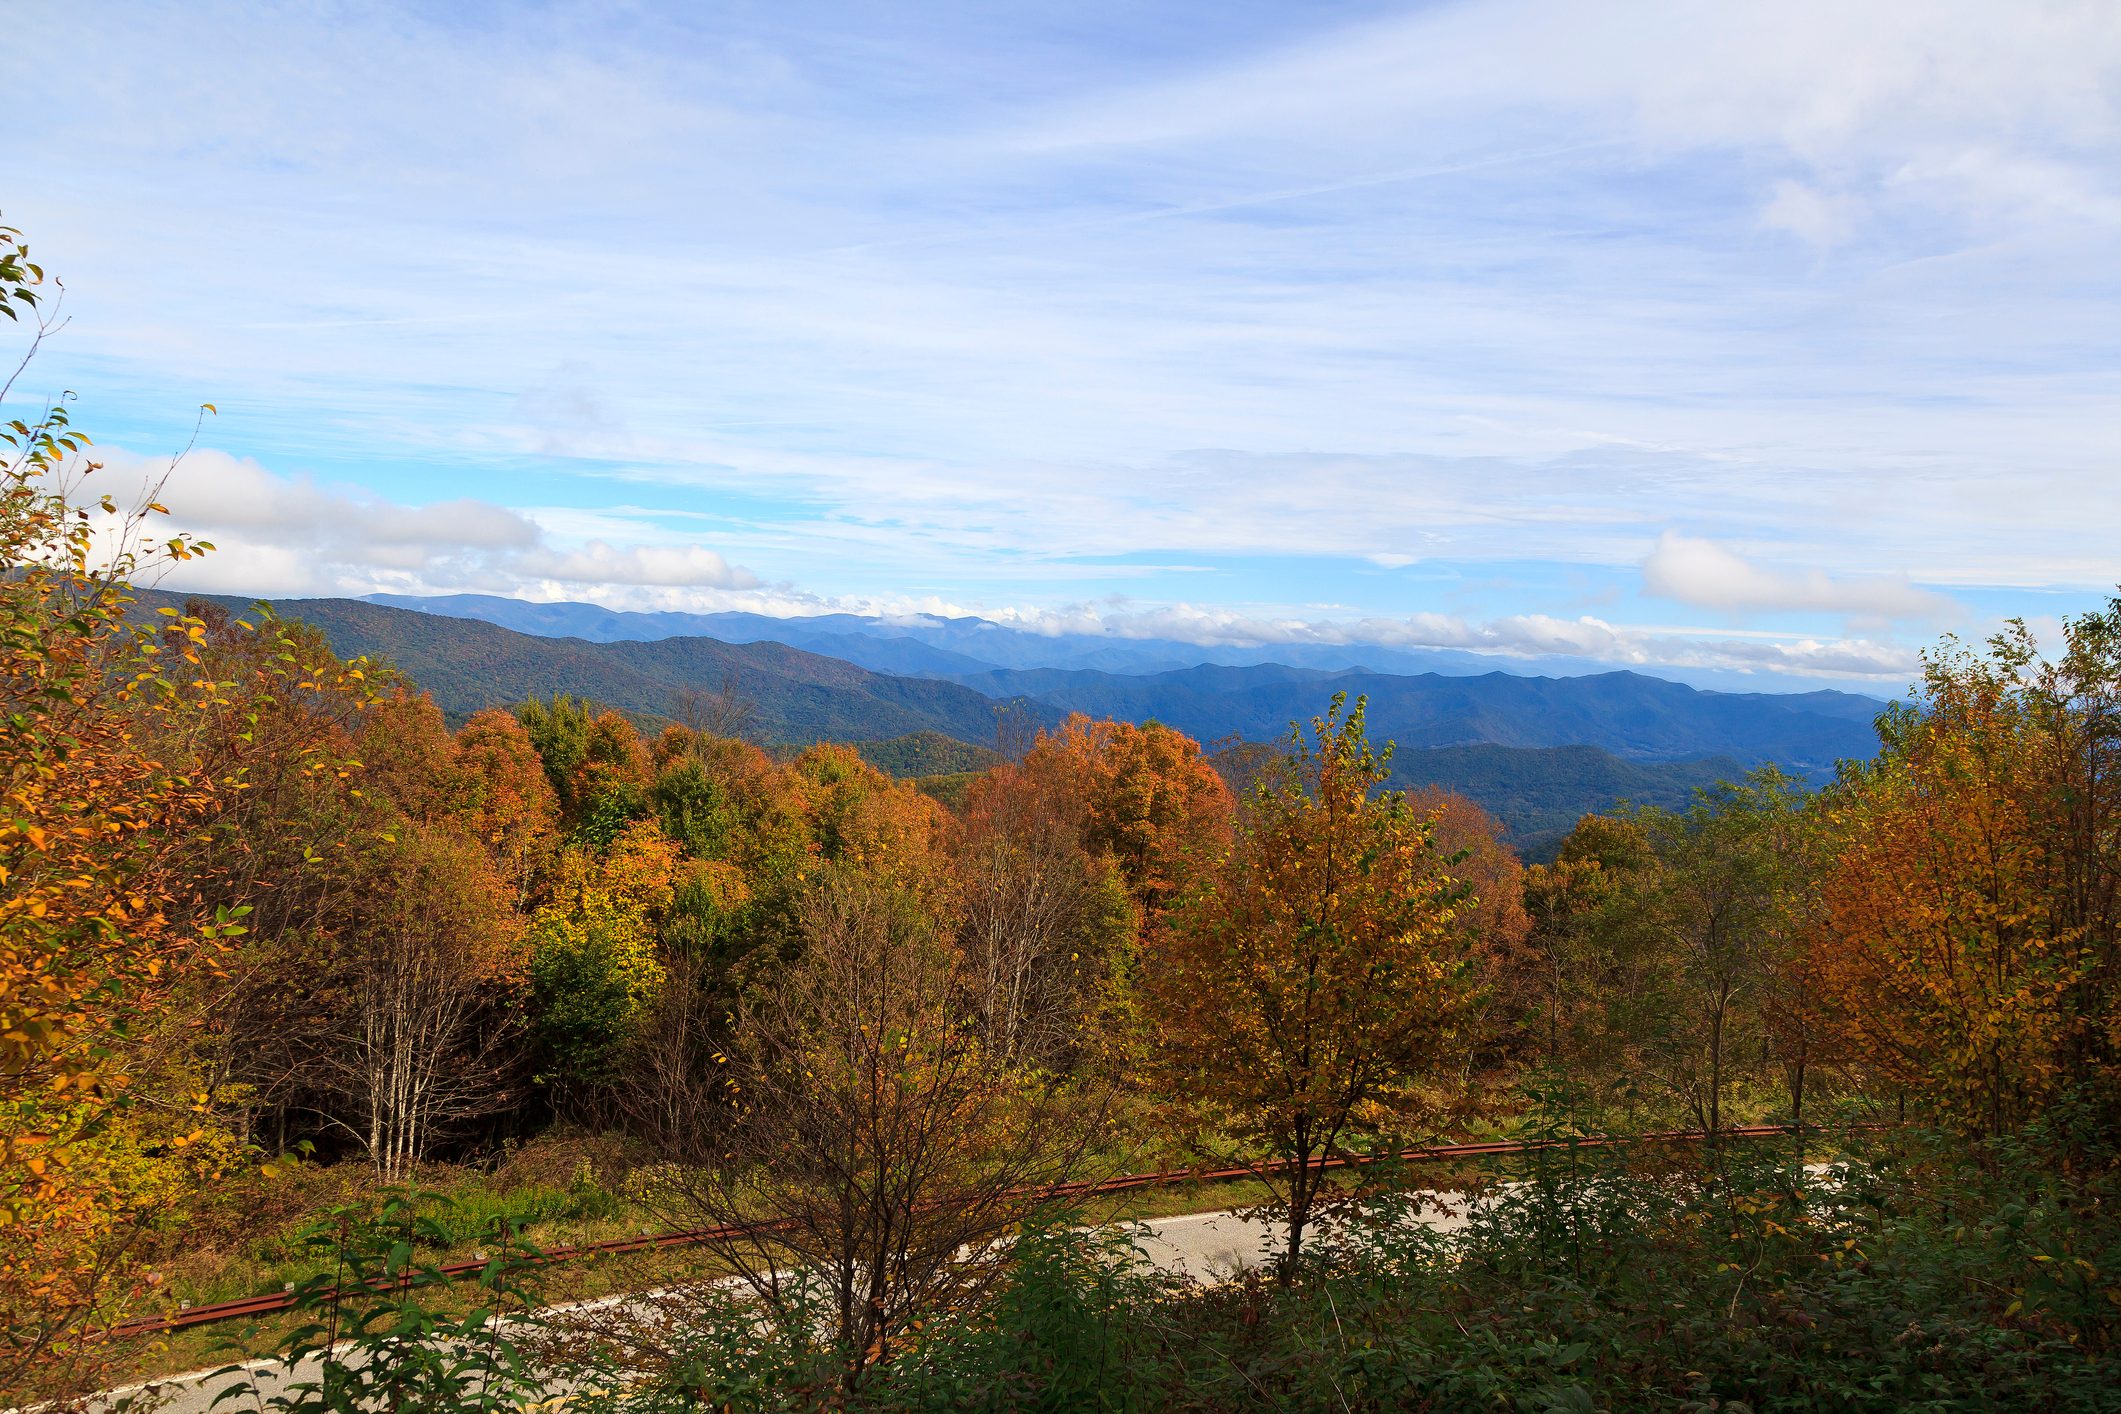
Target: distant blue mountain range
1421, 700
1536, 751
930, 645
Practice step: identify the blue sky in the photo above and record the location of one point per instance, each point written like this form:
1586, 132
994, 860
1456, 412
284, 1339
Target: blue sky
1778, 338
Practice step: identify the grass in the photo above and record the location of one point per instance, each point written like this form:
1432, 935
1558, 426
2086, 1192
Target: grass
565, 1192
207, 1347
221, 1262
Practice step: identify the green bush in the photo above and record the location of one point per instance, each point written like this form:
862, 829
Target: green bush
1908, 1279
373, 1339
1913, 1277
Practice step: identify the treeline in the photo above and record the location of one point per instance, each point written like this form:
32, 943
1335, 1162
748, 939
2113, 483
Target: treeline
257, 901
285, 908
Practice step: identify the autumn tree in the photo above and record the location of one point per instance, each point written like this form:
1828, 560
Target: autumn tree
420, 1038
510, 802
279, 843
1144, 795
95, 926
1970, 915
1045, 928
1245, 764
1307, 991
858, 814
1489, 922
885, 1149
369, 999
421, 1035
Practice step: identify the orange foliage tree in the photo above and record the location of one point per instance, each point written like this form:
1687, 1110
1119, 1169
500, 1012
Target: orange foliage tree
1490, 922
1967, 947
1306, 992
511, 802
1144, 795
94, 927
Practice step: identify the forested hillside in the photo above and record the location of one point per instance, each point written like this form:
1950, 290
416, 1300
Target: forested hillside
1630, 715
1536, 753
927, 754
1539, 793
792, 696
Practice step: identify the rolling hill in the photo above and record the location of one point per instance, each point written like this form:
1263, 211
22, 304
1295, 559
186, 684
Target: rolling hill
797, 697
1536, 752
1539, 792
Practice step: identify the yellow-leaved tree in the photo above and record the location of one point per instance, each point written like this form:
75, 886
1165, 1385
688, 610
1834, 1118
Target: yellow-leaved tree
1307, 990
93, 926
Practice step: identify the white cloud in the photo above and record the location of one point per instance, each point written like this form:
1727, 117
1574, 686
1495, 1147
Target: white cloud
1708, 575
944, 304
674, 566
294, 535
1521, 637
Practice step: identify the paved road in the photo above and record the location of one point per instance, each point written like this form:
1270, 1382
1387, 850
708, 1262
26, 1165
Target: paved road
1207, 1247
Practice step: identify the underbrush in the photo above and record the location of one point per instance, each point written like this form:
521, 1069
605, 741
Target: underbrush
1907, 1278
250, 1239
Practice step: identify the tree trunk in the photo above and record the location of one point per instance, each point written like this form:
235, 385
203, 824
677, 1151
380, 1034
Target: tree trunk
1715, 1116
1299, 1217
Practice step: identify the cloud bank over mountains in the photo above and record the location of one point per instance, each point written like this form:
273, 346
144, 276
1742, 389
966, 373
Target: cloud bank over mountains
1519, 326
296, 537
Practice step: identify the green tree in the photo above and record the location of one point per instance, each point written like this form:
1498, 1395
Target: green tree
598, 766
1724, 900
594, 968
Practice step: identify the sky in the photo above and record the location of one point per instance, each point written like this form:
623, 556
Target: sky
1779, 338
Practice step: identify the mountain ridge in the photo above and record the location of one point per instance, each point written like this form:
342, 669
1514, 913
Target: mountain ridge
798, 697
1631, 715
1537, 752
949, 646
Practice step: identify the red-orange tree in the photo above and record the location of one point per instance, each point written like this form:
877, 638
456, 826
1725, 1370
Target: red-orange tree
1307, 991
1490, 922
1144, 795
